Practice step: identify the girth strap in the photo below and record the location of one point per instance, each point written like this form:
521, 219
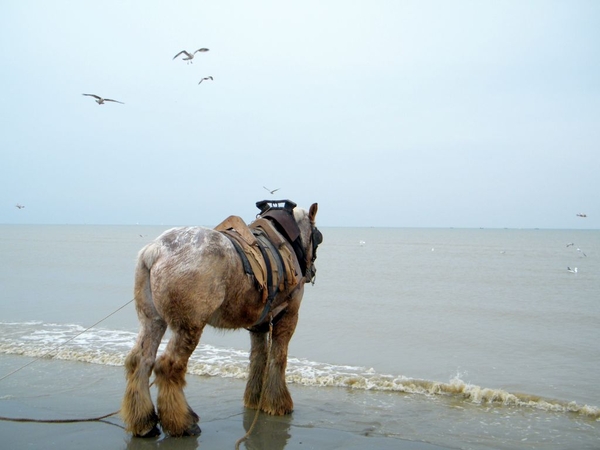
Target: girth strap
265, 246
279, 269
242, 255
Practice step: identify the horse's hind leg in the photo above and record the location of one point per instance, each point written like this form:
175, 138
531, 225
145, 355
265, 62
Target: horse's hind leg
137, 409
176, 417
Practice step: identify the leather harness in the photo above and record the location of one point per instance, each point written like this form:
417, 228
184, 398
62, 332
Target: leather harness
269, 256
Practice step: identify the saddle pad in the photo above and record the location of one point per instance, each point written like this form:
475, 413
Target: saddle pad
282, 256
235, 228
238, 225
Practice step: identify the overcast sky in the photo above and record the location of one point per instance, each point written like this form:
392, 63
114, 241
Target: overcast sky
387, 113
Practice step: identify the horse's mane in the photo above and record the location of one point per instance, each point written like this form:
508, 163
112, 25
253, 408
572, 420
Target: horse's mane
301, 217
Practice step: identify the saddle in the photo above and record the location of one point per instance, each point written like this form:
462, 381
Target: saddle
266, 255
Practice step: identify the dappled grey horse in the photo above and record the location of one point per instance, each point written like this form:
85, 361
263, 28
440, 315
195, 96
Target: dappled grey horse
191, 277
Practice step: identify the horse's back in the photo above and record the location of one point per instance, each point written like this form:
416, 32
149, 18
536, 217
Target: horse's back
185, 244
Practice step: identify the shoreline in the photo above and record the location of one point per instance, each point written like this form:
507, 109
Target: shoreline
58, 390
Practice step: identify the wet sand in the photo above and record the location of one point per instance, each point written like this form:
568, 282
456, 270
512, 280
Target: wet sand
221, 434
50, 389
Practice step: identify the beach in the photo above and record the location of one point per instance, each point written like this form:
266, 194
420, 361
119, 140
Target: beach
410, 338
91, 391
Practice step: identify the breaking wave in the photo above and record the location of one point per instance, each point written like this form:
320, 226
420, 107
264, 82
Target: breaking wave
110, 347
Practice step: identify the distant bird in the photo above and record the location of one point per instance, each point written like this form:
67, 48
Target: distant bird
573, 270
204, 79
189, 56
361, 242
271, 191
581, 251
570, 244
581, 215
101, 100
18, 205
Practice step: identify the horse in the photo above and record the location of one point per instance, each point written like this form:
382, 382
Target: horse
190, 277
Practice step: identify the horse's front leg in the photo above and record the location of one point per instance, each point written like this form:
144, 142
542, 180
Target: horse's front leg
176, 417
276, 397
258, 358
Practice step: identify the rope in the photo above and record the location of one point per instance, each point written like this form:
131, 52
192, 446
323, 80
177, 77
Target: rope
262, 392
91, 419
66, 342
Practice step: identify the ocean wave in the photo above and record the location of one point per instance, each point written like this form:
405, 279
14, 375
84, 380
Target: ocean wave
456, 387
110, 347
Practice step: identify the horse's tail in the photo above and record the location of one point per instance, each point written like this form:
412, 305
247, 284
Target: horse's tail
146, 259
148, 255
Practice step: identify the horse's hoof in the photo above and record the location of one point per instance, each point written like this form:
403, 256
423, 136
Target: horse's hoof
193, 431
154, 431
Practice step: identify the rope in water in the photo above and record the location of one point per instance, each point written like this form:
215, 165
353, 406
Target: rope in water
66, 342
91, 419
264, 382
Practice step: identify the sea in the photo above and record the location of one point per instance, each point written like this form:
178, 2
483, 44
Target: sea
459, 338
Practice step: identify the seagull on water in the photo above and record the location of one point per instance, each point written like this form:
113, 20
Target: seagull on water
189, 56
205, 78
573, 270
271, 191
101, 100
18, 205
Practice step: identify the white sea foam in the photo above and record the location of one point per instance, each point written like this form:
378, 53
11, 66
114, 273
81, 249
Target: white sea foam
110, 347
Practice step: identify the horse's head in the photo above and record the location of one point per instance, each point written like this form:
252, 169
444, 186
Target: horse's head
311, 237
298, 226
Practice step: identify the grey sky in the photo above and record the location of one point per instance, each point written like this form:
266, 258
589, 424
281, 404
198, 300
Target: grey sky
386, 113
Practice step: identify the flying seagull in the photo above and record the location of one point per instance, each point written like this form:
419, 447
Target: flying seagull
189, 56
581, 215
573, 270
18, 205
205, 78
271, 191
101, 100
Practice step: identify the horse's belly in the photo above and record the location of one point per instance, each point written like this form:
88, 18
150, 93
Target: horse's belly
241, 310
